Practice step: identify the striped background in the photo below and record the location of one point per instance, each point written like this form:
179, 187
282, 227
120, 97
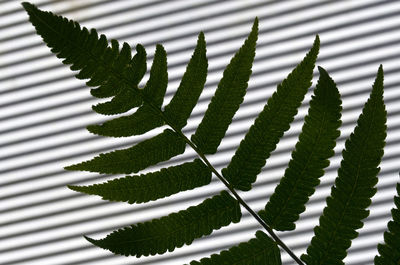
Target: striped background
44, 111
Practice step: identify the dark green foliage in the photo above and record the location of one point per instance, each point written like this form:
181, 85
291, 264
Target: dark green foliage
147, 153
270, 124
228, 96
152, 186
390, 250
354, 186
261, 250
115, 73
315, 146
190, 88
175, 230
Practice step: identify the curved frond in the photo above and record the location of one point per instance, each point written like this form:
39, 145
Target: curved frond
228, 97
390, 250
270, 125
175, 230
107, 68
315, 146
151, 186
190, 88
354, 186
131, 160
261, 250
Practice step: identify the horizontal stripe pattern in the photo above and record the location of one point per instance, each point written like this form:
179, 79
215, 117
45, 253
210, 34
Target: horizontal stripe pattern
44, 111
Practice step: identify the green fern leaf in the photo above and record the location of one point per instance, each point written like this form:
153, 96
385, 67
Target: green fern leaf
127, 98
270, 125
228, 96
147, 153
146, 117
261, 250
315, 146
390, 251
175, 230
151, 186
354, 186
105, 66
179, 109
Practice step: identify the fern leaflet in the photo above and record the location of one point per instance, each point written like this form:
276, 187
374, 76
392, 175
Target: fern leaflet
190, 88
270, 125
228, 96
175, 230
390, 251
138, 157
354, 186
260, 250
315, 146
151, 186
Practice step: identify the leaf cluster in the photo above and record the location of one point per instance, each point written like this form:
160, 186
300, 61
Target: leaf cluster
115, 73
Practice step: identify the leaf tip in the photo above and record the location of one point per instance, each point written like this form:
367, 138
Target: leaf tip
73, 167
28, 6
317, 41
93, 129
201, 39
380, 71
321, 70
91, 240
74, 188
255, 24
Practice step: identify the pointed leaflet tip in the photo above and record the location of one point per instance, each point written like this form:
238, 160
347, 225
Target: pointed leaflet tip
201, 40
377, 87
91, 240
255, 24
75, 188
28, 6
323, 72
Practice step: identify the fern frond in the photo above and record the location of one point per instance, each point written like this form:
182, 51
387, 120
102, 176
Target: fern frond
354, 186
131, 160
228, 97
190, 88
315, 146
151, 186
261, 250
270, 125
390, 250
175, 230
146, 117
107, 68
